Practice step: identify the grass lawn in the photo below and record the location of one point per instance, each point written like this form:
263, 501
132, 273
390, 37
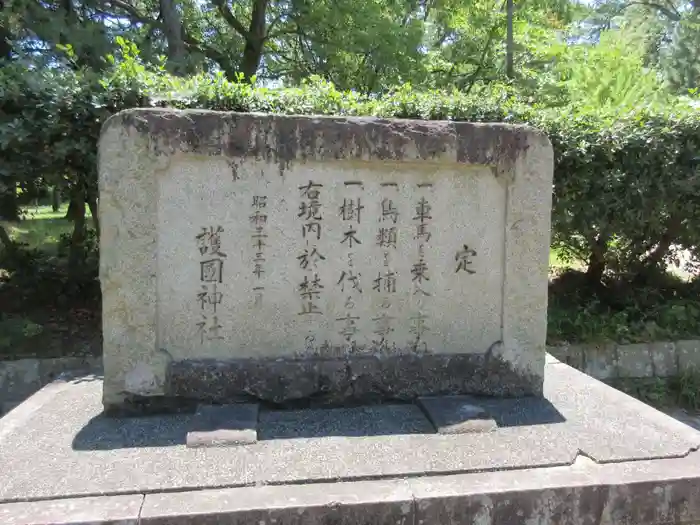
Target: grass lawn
41, 227
43, 320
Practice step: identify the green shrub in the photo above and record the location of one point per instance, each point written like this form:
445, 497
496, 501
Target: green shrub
626, 191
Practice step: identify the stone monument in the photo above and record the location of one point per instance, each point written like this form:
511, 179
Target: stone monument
333, 260
259, 271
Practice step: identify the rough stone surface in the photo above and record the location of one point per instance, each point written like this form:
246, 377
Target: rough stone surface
634, 361
375, 502
601, 457
107, 510
353, 379
361, 421
457, 414
688, 355
600, 361
664, 359
19, 379
572, 355
637, 493
223, 425
656, 359
50, 369
205, 214
83, 453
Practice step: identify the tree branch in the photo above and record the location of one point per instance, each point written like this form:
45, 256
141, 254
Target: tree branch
272, 25
230, 18
133, 12
671, 14
480, 66
193, 43
210, 52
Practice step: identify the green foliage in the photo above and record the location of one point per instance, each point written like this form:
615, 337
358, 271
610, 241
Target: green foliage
626, 191
687, 386
610, 75
666, 310
681, 61
89, 256
14, 329
672, 392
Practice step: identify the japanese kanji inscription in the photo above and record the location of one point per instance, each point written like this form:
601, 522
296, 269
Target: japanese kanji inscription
366, 262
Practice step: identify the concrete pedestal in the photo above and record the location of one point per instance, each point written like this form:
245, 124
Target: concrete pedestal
584, 454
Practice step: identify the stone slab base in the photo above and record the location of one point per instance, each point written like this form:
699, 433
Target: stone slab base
585, 454
222, 425
457, 414
584, 493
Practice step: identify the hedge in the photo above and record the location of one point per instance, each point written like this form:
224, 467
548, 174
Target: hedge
626, 189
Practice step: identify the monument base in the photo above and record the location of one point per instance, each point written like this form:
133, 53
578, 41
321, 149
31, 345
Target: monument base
582, 454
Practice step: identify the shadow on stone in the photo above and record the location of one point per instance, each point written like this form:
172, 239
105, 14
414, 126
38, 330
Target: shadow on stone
109, 433
375, 420
526, 411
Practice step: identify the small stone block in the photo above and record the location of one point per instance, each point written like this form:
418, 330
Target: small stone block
19, 379
224, 425
688, 355
600, 361
571, 355
634, 361
663, 357
457, 415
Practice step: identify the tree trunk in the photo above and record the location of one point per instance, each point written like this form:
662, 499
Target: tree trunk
94, 211
5, 39
509, 38
74, 206
9, 205
7, 242
652, 262
597, 262
172, 27
55, 199
78, 237
255, 41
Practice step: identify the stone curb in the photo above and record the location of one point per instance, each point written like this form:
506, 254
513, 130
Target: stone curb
649, 492
614, 361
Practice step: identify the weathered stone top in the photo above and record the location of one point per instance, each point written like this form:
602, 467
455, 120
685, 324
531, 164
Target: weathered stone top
282, 139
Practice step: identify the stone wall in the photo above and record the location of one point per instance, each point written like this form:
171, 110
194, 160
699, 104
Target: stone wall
616, 361
21, 378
